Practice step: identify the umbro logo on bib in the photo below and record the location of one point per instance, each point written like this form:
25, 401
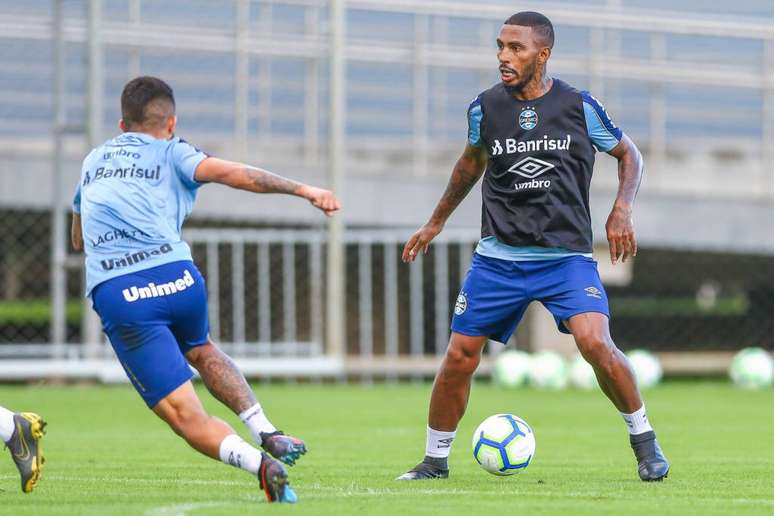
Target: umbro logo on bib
531, 167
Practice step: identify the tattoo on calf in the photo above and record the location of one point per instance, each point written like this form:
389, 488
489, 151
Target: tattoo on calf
226, 382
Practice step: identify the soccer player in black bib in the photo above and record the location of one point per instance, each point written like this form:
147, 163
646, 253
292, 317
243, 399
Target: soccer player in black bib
533, 138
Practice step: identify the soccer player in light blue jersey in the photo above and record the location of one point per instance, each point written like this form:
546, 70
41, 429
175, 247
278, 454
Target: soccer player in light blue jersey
134, 193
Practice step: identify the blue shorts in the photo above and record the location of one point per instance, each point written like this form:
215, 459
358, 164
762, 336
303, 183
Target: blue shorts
153, 318
496, 293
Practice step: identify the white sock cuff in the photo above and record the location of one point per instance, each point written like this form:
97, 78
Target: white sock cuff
226, 445
236, 452
439, 442
247, 414
256, 421
637, 422
6, 424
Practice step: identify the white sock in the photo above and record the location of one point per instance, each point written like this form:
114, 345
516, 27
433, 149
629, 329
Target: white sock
236, 452
439, 443
256, 421
6, 424
637, 422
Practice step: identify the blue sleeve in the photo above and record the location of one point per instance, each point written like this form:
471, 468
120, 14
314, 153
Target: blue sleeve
602, 131
185, 158
77, 200
474, 122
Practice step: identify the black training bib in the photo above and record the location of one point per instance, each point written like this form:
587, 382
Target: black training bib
536, 186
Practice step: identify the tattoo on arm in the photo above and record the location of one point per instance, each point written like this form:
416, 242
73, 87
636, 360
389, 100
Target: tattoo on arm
466, 173
263, 181
225, 381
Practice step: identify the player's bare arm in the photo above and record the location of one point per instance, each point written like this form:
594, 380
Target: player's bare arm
76, 234
467, 171
257, 180
620, 227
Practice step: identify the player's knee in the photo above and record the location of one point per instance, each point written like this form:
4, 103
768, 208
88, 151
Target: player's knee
199, 354
185, 420
596, 348
462, 360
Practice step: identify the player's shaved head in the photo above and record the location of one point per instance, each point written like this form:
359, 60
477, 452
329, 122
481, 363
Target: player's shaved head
540, 24
147, 102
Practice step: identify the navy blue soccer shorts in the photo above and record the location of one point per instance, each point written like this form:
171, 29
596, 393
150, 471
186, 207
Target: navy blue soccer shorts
153, 318
496, 293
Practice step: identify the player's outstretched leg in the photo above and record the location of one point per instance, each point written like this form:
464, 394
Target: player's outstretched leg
592, 335
226, 382
22, 433
183, 412
448, 401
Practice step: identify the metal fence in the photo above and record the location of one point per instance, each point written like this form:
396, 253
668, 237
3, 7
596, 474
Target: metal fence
375, 91
267, 305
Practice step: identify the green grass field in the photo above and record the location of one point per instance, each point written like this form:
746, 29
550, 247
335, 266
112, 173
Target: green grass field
107, 454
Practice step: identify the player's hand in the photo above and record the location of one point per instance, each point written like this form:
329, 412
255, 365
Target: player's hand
420, 241
620, 234
323, 200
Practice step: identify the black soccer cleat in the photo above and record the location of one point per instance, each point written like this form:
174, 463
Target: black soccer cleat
652, 464
25, 448
273, 480
426, 470
283, 447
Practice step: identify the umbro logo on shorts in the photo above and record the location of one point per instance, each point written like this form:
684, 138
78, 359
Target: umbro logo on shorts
133, 293
593, 292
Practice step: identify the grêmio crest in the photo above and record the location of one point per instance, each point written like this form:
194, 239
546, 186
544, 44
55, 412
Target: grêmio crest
528, 118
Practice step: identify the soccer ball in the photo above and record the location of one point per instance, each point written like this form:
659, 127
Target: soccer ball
503, 444
752, 368
511, 369
582, 374
646, 367
547, 370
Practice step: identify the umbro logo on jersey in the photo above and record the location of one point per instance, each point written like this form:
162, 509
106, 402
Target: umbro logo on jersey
531, 167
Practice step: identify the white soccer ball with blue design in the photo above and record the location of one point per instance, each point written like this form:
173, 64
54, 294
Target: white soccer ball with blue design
503, 444
547, 370
752, 368
647, 368
511, 369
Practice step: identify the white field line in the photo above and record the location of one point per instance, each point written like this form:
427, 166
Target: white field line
181, 509
317, 491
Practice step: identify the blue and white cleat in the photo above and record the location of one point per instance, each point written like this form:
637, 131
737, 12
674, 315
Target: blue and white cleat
25, 448
285, 448
274, 481
652, 465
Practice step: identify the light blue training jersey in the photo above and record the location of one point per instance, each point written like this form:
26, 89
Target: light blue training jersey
134, 194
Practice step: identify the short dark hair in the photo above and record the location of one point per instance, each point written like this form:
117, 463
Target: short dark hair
539, 23
147, 101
